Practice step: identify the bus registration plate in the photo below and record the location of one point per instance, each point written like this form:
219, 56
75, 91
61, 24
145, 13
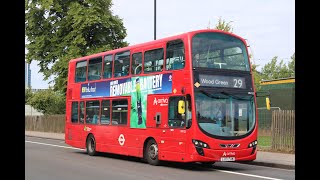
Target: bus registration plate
228, 159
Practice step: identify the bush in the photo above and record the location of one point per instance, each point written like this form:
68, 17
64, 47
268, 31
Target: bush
48, 102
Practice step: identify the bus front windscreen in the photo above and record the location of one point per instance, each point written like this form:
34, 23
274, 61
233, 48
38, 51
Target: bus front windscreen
220, 51
225, 115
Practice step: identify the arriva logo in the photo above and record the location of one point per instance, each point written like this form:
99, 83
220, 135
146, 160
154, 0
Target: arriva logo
228, 154
160, 101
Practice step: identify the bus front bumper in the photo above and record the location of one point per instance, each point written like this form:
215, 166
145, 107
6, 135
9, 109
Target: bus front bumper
232, 155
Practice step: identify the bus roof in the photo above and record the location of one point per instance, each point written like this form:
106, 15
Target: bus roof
168, 38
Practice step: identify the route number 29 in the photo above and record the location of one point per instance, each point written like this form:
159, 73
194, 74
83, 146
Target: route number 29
237, 83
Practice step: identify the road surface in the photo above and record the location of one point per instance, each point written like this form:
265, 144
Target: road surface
52, 159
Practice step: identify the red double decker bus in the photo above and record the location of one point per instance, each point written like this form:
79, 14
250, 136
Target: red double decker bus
185, 98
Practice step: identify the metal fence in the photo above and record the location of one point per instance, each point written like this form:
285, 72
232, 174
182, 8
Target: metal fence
276, 130
283, 130
264, 122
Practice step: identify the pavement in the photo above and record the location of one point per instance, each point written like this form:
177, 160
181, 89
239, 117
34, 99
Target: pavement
264, 158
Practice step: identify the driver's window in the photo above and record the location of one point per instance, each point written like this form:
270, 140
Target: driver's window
175, 119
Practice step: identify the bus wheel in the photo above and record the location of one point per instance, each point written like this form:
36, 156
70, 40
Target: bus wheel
151, 153
91, 145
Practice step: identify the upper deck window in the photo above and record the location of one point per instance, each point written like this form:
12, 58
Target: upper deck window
218, 50
81, 71
122, 64
136, 65
94, 68
153, 60
175, 55
107, 67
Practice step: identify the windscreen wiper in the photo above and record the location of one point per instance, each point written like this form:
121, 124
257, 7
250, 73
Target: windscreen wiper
207, 94
212, 95
233, 96
223, 93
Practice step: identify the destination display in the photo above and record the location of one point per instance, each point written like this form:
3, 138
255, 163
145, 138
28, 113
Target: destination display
222, 81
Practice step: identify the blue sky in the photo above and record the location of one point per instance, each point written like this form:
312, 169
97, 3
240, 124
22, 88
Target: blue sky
268, 25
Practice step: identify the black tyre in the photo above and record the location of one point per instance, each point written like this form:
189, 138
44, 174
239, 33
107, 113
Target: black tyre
91, 145
151, 153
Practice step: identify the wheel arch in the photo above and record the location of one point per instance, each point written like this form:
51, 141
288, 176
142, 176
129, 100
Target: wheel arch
88, 137
145, 145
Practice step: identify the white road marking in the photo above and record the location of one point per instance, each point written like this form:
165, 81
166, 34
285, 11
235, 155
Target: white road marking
272, 167
230, 172
251, 175
67, 147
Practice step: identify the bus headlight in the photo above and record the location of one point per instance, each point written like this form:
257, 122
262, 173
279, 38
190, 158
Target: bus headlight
201, 144
253, 144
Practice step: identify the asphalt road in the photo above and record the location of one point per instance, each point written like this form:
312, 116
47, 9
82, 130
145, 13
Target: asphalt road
52, 159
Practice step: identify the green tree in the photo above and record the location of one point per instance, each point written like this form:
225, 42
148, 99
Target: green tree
275, 70
27, 95
292, 64
60, 30
256, 76
223, 25
48, 102
269, 70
